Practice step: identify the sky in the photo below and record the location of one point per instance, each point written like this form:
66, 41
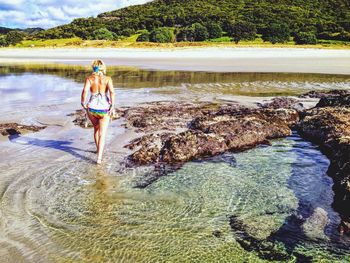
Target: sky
50, 13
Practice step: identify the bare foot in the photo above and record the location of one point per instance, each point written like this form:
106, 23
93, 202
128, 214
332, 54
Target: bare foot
99, 160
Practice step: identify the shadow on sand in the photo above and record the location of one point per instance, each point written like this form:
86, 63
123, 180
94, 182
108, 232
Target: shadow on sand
53, 144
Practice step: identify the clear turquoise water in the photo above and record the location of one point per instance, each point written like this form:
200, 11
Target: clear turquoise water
271, 203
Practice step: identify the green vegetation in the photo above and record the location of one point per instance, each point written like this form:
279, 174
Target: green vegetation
276, 33
302, 38
162, 35
11, 38
104, 33
209, 20
241, 30
144, 36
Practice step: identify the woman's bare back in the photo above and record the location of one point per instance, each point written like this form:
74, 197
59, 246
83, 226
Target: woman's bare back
99, 83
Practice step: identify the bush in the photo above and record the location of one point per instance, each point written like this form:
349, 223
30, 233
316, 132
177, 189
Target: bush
3, 42
127, 32
302, 38
200, 32
104, 34
162, 35
185, 34
242, 30
342, 36
214, 30
14, 37
276, 33
144, 36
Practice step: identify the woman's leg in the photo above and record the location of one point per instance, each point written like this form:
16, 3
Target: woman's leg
103, 124
95, 123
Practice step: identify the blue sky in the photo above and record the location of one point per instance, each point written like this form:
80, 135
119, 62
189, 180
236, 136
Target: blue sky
50, 13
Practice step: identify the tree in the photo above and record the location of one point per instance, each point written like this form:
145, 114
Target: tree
162, 35
305, 38
14, 37
185, 34
144, 36
277, 33
214, 30
3, 42
242, 30
200, 32
104, 34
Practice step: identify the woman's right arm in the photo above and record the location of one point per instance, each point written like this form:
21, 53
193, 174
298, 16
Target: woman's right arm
85, 93
111, 92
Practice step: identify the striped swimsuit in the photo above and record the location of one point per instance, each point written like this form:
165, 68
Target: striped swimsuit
99, 105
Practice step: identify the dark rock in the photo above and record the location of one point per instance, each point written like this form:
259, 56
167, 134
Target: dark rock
324, 93
217, 233
335, 101
165, 115
211, 132
285, 103
8, 129
330, 128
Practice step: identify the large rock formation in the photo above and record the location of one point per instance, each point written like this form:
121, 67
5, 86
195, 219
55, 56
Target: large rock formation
206, 130
328, 124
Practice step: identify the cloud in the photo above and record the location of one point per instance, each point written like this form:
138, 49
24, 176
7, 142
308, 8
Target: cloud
50, 13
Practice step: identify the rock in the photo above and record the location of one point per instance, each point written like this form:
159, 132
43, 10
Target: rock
191, 144
335, 101
329, 126
7, 129
314, 226
285, 103
324, 93
165, 115
210, 132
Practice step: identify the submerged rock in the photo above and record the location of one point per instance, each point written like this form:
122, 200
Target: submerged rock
7, 129
328, 124
315, 225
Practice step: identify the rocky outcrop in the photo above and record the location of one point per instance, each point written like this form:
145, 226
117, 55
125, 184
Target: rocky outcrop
8, 129
166, 115
324, 93
207, 131
328, 124
285, 103
335, 101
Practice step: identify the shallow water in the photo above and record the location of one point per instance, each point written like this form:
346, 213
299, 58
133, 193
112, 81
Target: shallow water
268, 203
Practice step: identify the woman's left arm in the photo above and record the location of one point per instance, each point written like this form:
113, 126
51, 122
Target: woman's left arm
85, 93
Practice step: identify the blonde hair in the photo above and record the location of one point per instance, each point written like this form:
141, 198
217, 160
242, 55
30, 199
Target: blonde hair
99, 63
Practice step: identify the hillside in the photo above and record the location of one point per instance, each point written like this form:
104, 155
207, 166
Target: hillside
327, 19
30, 31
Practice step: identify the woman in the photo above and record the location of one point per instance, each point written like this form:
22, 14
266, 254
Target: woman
99, 108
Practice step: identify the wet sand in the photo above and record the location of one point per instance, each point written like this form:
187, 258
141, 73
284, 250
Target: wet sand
198, 59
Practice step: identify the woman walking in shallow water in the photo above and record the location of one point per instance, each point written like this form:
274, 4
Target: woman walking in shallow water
99, 107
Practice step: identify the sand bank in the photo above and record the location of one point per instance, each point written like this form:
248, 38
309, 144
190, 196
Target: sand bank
196, 59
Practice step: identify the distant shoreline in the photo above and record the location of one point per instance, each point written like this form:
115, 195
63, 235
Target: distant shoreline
215, 59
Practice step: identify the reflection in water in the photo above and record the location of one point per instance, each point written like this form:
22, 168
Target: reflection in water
250, 84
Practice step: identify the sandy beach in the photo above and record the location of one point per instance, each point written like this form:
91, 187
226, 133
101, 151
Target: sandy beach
194, 59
